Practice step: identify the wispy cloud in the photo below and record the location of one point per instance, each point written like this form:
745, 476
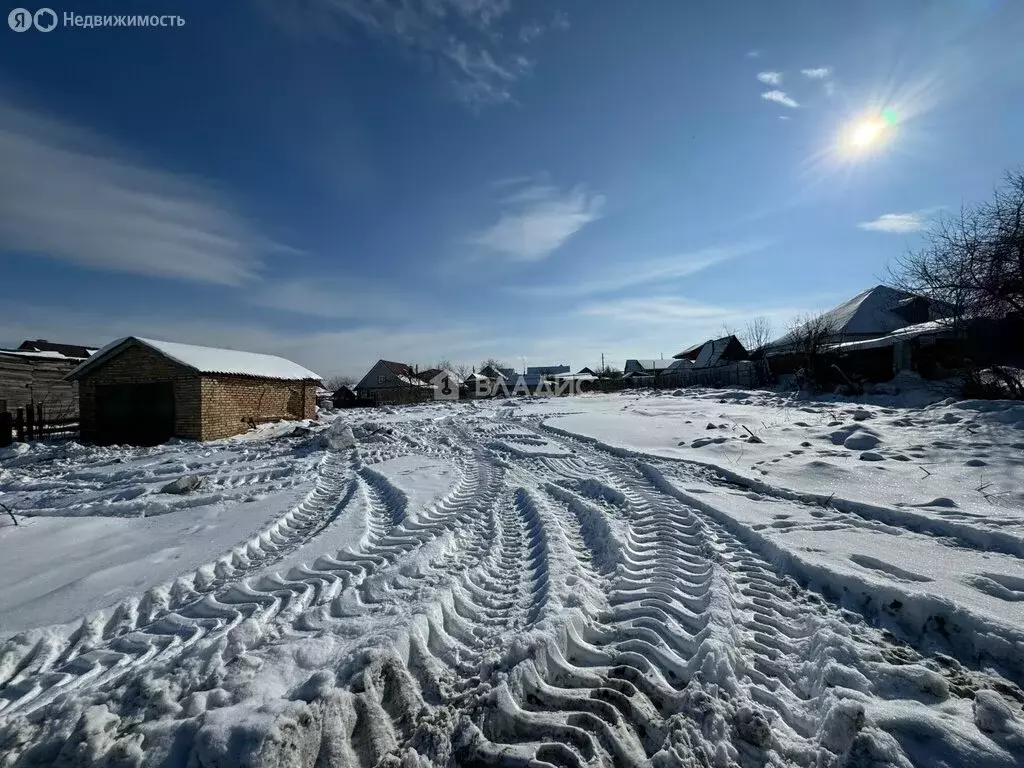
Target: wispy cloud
637, 273
898, 223
538, 219
67, 194
780, 97
338, 298
755, 54
817, 73
530, 32
691, 320
770, 78
466, 40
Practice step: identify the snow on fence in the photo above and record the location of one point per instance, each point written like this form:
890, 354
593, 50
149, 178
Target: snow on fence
34, 423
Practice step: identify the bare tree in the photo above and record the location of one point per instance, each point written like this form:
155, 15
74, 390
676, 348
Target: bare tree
757, 335
810, 336
973, 261
463, 371
972, 264
444, 364
334, 383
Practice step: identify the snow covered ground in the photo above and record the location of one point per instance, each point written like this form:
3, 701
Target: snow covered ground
716, 578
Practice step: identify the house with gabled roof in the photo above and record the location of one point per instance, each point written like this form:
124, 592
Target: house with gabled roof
645, 367
76, 351
144, 391
868, 315
391, 382
713, 352
495, 374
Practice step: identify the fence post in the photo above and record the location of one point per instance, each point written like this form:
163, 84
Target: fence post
30, 421
40, 432
5, 428
19, 424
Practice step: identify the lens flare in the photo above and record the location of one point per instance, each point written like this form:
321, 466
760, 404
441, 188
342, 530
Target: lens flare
868, 132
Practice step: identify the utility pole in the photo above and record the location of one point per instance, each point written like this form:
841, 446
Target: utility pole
602, 362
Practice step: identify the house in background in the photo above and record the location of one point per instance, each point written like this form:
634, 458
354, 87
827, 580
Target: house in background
67, 350
645, 367
393, 383
547, 370
900, 325
586, 371
34, 374
713, 352
346, 397
715, 362
144, 391
868, 315
494, 374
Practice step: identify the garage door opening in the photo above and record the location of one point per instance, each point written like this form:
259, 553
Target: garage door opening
136, 414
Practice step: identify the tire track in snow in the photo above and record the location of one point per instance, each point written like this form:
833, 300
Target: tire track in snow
701, 627
45, 664
579, 614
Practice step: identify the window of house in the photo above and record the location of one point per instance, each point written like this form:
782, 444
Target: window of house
381, 379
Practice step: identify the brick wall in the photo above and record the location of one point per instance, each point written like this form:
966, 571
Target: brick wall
229, 402
141, 365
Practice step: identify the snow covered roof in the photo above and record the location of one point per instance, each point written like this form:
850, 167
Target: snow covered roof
869, 313
711, 353
46, 354
66, 350
405, 373
430, 374
207, 360
508, 374
680, 364
689, 352
652, 365
931, 328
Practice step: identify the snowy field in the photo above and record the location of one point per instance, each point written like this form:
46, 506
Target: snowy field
721, 578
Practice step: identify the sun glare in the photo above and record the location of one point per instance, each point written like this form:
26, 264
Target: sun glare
868, 132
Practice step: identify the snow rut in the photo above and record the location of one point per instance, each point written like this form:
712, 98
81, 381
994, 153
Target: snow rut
169, 619
548, 610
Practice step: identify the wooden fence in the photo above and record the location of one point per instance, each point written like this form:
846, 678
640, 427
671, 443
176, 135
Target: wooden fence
34, 423
745, 374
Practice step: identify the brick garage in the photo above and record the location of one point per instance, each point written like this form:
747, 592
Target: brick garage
144, 391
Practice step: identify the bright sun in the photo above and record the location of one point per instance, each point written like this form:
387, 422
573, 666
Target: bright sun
868, 132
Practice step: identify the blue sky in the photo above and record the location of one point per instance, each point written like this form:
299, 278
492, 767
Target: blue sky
342, 180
